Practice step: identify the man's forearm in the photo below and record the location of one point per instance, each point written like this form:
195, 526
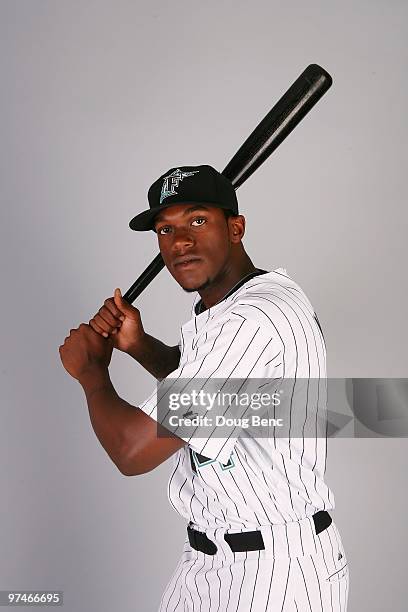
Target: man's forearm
156, 357
110, 415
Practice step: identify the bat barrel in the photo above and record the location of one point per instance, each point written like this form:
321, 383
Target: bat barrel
300, 98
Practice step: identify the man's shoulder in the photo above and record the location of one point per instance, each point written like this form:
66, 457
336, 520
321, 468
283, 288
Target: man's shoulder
272, 298
267, 300
275, 287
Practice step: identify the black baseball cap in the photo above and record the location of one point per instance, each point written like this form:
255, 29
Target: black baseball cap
184, 185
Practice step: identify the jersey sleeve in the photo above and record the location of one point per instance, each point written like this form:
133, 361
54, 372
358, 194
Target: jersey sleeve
233, 356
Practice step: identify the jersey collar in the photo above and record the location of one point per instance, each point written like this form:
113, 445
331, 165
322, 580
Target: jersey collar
199, 307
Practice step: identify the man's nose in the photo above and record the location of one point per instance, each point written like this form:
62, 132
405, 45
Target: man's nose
181, 238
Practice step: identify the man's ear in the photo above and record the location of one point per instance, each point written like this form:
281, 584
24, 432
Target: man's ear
236, 228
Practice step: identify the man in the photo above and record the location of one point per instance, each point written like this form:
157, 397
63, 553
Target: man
259, 536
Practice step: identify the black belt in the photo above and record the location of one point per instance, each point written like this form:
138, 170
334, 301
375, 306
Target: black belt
247, 540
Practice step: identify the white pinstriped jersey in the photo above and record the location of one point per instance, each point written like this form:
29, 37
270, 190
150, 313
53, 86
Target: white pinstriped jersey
265, 328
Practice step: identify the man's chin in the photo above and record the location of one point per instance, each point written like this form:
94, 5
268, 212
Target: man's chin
198, 287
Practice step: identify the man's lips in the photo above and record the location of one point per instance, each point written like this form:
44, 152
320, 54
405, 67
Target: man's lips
185, 262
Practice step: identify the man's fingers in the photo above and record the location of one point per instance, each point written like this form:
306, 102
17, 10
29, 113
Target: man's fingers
107, 316
104, 328
113, 309
107, 326
97, 328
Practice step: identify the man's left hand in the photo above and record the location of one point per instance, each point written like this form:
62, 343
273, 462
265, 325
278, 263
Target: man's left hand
85, 350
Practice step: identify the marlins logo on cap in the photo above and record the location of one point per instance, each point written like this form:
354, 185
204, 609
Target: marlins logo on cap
172, 181
209, 187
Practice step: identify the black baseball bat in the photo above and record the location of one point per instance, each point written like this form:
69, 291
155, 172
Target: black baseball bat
299, 99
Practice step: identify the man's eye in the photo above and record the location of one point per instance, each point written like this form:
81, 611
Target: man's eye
162, 230
199, 219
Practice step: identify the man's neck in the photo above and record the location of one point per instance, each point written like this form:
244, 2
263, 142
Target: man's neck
214, 294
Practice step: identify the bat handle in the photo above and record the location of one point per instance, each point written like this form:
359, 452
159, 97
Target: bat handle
144, 279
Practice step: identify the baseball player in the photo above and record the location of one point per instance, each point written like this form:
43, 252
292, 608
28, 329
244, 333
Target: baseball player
259, 534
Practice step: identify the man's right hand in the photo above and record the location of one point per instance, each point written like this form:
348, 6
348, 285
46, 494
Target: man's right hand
121, 322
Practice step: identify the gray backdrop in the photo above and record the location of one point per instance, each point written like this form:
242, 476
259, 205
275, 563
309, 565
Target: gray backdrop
98, 99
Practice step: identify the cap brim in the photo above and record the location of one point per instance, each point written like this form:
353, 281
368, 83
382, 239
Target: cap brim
144, 220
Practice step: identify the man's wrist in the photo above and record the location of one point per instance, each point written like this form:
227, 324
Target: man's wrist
94, 379
136, 350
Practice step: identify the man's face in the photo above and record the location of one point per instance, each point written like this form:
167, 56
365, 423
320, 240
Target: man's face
198, 235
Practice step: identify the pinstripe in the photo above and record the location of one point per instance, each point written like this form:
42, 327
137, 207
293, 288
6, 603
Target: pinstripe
230, 587
288, 485
181, 488
194, 563
219, 590
179, 599
191, 499
286, 587
239, 489
327, 569
339, 589
212, 513
327, 532
180, 456
337, 539
318, 582
346, 591
195, 579
205, 576
259, 355
304, 580
301, 540
270, 582
217, 476
321, 547
216, 494
256, 578
346, 578
228, 350
272, 497
315, 487
176, 581
274, 357
243, 578
253, 489
287, 539
225, 352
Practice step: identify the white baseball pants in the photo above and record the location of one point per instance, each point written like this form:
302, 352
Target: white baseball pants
270, 580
